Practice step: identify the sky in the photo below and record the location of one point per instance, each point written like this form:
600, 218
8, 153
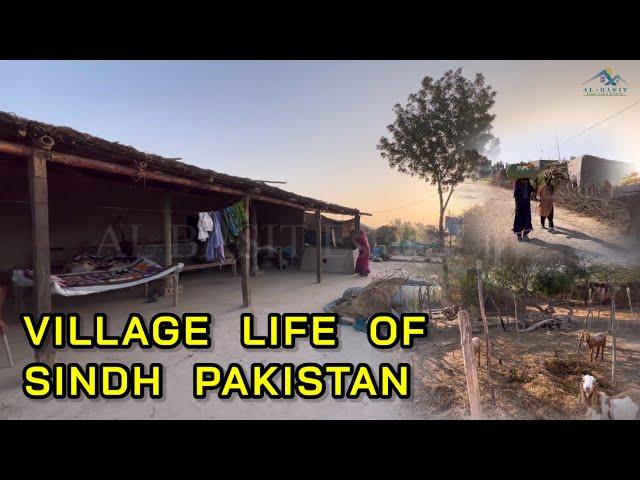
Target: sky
316, 124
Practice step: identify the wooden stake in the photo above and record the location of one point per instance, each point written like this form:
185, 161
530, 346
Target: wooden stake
38, 188
429, 306
486, 329
473, 388
244, 258
495, 305
613, 333
600, 306
584, 326
630, 306
515, 304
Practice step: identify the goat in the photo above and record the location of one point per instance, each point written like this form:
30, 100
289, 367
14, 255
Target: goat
596, 342
600, 406
476, 344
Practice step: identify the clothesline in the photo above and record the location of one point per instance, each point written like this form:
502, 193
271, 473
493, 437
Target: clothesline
106, 207
218, 227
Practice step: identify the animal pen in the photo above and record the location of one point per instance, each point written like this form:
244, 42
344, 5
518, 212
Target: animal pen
70, 199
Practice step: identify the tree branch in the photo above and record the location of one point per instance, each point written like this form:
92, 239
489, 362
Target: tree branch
448, 198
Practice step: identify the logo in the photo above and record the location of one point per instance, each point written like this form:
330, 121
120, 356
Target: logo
610, 84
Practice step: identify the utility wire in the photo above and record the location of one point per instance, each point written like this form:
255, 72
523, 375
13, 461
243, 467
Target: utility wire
582, 132
407, 205
585, 130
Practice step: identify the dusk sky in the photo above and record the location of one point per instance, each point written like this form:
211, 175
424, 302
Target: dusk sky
316, 124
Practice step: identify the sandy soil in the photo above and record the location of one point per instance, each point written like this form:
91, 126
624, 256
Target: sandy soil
587, 237
218, 293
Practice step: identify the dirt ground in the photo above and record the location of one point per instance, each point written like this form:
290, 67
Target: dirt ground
219, 293
537, 378
587, 237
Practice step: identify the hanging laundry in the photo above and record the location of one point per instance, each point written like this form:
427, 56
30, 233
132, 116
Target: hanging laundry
205, 225
231, 222
224, 227
233, 219
215, 247
240, 216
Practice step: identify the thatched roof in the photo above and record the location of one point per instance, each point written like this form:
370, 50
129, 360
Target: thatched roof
67, 140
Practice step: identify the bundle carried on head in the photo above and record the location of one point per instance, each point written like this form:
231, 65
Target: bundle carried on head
517, 171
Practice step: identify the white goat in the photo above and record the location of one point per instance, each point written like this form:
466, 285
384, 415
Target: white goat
600, 406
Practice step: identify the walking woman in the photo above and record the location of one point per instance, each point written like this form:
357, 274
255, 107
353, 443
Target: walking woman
545, 207
362, 263
523, 193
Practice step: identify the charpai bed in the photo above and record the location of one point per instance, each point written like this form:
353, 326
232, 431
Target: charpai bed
123, 275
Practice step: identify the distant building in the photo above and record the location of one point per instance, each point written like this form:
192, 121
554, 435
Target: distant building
587, 170
453, 225
540, 164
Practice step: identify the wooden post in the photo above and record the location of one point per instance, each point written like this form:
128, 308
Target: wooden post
602, 293
318, 246
4, 291
473, 388
613, 333
169, 284
630, 305
586, 320
495, 305
435, 323
38, 188
486, 328
515, 304
356, 223
445, 275
253, 217
244, 257
168, 241
590, 312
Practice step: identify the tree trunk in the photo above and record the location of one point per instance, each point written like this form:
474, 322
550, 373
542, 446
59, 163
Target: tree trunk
441, 218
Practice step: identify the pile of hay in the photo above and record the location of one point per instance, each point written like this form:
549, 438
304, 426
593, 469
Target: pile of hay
376, 297
527, 386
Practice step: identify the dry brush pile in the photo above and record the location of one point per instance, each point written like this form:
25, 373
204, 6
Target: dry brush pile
528, 384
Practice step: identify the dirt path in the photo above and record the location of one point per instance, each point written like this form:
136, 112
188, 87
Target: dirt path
587, 237
218, 293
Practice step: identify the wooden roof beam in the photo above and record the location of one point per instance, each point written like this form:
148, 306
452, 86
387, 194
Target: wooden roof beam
108, 167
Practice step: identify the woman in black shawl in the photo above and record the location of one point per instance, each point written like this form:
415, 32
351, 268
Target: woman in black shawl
523, 193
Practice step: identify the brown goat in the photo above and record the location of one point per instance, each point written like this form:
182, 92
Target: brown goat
597, 342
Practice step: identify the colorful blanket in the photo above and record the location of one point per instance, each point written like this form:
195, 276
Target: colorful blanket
140, 271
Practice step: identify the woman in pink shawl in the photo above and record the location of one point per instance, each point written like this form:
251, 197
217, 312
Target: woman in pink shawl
362, 264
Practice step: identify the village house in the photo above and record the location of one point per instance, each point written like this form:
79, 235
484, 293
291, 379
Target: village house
588, 171
69, 195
